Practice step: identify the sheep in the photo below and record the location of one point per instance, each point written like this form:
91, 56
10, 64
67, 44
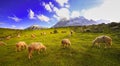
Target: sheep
35, 46
71, 32
33, 35
65, 42
8, 37
43, 33
63, 31
51, 32
18, 35
21, 45
103, 39
2, 43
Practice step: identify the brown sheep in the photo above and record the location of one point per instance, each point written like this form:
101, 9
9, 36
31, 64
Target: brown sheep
21, 45
43, 33
18, 35
65, 42
51, 32
2, 43
71, 32
33, 35
35, 46
8, 37
63, 31
103, 39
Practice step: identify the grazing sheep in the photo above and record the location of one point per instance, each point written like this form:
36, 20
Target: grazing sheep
63, 31
18, 35
33, 35
71, 32
51, 32
43, 33
103, 39
65, 42
8, 37
21, 45
2, 43
35, 46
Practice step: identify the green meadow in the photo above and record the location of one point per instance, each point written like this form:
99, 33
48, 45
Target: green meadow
80, 53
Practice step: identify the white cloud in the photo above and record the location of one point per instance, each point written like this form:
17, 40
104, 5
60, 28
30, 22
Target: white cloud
63, 13
16, 19
55, 9
109, 10
62, 2
75, 14
48, 6
43, 18
51, 5
55, 16
31, 14
67, 6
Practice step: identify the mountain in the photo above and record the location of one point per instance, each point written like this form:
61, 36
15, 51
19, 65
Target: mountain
35, 27
79, 21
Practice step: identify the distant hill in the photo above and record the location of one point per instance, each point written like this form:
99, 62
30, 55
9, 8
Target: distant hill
35, 27
79, 21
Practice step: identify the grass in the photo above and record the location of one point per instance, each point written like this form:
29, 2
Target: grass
79, 54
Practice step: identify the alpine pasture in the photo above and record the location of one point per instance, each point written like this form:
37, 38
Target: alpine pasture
80, 52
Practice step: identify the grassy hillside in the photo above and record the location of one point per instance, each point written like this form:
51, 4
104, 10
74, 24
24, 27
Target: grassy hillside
79, 54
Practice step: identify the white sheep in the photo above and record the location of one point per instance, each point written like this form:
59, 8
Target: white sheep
21, 45
35, 46
65, 42
2, 43
103, 39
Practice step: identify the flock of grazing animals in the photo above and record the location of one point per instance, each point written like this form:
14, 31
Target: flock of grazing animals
37, 46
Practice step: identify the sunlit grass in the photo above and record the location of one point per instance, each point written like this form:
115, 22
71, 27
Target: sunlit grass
79, 54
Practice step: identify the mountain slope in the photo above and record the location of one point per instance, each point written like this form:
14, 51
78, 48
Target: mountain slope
79, 21
35, 27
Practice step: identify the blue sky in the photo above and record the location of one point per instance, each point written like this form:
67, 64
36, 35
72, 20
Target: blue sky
24, 13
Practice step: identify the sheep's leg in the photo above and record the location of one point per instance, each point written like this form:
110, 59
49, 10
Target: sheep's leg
105, 46
109, 44
30, 54
45, 50
25, 46
93, 44
62, 45
99, 45
19, 48
22, 47
38, 51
